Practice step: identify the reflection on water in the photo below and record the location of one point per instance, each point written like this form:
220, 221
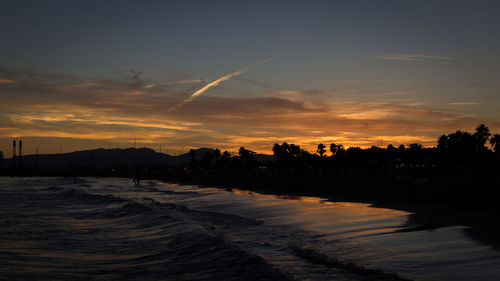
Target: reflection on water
111, 230
369, 236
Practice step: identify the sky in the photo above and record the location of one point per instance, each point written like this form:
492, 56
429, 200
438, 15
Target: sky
79, 75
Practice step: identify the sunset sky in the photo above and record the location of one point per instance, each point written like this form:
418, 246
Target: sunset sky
225, 74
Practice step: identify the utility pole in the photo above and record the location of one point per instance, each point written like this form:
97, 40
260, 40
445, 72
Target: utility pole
14, 154
20, 153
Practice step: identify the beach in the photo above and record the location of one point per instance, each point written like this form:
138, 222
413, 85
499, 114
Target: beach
110, 229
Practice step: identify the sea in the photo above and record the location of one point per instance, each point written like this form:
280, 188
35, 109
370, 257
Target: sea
111, 229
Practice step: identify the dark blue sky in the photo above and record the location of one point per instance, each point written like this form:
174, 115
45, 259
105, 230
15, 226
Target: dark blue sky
442, 55
234, 32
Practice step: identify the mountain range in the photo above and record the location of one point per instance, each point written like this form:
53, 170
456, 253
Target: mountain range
109, 158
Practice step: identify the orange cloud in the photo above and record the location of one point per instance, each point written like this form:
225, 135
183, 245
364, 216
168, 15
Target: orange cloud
68, 107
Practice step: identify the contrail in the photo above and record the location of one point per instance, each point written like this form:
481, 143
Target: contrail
216, 83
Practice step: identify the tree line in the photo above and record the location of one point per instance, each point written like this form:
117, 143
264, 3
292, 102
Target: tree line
458, 148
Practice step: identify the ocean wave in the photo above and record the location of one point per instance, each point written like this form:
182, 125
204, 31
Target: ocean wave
70, 234
361, 272
76, 194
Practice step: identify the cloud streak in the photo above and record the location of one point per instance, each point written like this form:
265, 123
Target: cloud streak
216, 83
463, 103
7, 81
410, 57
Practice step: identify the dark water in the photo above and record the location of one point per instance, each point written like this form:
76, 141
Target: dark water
107, 229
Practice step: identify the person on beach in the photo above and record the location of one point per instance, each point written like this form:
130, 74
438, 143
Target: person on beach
137, 181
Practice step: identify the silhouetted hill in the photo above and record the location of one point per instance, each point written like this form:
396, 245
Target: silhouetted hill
110, 158
97, 158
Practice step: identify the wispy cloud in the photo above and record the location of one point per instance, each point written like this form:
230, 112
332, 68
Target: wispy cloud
463, 103
188, 81
7, 81
410, 57
380, 81
216, 83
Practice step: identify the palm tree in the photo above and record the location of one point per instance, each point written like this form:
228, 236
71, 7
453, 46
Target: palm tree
415, 147
481, 135
340, 149
294, 150
391, 149
246, 154
442, 143
401, 148
225, 158
321, 149
336, 148
248, 158
495, 142
281, 151
333, 148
